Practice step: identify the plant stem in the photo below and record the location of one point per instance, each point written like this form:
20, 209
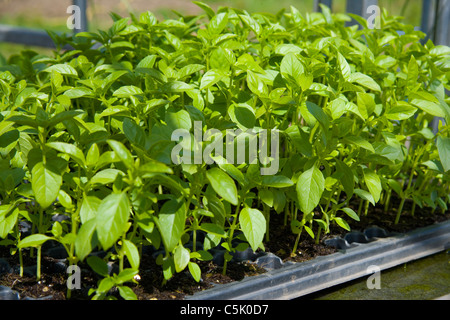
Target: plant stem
297, 240
318, 235
230, 237
38, 262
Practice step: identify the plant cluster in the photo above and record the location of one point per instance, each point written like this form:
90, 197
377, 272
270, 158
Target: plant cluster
87, 134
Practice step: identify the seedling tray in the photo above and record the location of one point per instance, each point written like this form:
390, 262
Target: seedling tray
293, 280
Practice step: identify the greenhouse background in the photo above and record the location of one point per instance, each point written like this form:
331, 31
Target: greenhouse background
21, 20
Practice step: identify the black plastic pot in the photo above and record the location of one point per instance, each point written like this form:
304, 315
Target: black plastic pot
357, 253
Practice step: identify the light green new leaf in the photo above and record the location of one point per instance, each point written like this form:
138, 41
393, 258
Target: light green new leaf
45, 183
253, 225
342, 223
132, 253
181, 258
64, 69
128, 91
373, 183
127, 293
310, 186
351, 213
195, 271
223, 185
112, 215
35, 240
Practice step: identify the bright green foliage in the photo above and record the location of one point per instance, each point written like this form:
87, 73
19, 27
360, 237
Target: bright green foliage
88, 133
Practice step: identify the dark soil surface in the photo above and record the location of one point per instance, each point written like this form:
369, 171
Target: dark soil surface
53, 284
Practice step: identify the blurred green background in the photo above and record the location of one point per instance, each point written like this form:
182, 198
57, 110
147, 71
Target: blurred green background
52, 15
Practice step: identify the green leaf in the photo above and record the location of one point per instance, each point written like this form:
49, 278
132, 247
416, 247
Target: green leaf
195, 271
98, 265
253, 225
373, 183
73, 151
310, 186
300, 139
112, 215
256, 84
213, 229
413, 73
64, 69
278, 181
84, 243
35, 240
223, 185
210, 78
363, 80
352, 214
291, 69
443, 146
79, 92
127, 293
122, 152
366, 104
132, 253
218, 23
171, 222
181, 258
344, 67
345, 176
243, 115
134, 133
177, 86
342, 223
319, 114
428, 103
89, 208
210, 12
360, 142
402, 110
8, 219
128, 91
45, 182
92, 155
178, 120
363, 194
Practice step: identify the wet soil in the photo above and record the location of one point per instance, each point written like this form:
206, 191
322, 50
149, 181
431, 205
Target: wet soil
52, 285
